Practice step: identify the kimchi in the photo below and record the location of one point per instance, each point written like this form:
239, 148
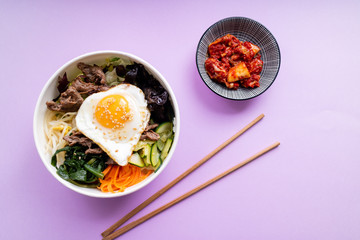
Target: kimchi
233, 63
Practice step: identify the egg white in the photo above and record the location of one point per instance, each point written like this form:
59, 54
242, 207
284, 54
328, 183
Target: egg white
117, 143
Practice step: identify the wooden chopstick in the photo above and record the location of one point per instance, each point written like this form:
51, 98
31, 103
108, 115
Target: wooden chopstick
179, 178
188, 194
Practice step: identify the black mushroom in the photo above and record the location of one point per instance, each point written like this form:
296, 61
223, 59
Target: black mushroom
63, 83
155, 94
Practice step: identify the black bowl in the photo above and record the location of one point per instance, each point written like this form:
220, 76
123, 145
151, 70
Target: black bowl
244, 29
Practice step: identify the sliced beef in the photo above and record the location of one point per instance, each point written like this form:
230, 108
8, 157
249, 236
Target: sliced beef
70, 101
94, 151
93, 74
150, 135
87, 87
110, 161
151, 127
78, 138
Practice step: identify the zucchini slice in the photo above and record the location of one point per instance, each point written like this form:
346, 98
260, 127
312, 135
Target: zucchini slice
141, 144
160, 144
164, 127
145, 150
165, 130
155, 155
166, 149
147, 160
135, 159
158, 166
145, 153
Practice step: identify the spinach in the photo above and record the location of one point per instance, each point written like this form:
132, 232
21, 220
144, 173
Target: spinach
114, 59
79, 168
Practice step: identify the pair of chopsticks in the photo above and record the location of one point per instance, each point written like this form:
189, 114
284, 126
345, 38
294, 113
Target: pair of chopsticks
110, 233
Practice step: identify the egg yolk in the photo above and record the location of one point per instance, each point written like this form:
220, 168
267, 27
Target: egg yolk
113, 111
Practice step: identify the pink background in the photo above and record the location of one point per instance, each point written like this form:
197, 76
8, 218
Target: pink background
308, 188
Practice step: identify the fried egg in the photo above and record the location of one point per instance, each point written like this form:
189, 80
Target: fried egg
114, 120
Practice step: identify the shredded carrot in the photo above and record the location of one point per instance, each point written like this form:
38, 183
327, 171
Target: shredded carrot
118, 178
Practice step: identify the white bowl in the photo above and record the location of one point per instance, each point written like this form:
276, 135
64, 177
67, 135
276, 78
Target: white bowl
49, 92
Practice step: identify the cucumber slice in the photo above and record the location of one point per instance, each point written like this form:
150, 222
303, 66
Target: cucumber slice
158, 166
142, 143
155, 155
165, 130
164, 127
147, 160
166, 149
164, 136
145, 153
135, 159
160, 144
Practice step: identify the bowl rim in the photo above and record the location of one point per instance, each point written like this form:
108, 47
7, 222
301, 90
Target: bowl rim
53, 78
237, 18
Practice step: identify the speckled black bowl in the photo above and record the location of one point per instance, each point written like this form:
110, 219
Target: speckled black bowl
244, 29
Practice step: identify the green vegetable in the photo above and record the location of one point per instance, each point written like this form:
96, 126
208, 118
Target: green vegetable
150, 153
79, 175
53, 159
114, 59
147, 160
145, 153
166, 149
158, 166
135, 159
155, 155
160, 144
165, 130
96, 171
164, 127
80, 168
142, 143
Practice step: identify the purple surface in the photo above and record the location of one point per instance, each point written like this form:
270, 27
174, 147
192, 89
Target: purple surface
308, 188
